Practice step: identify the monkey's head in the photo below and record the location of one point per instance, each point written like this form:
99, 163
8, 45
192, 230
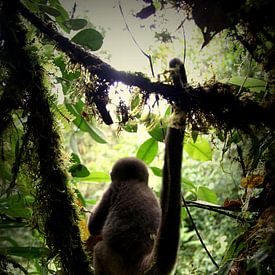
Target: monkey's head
129, 169
175, 62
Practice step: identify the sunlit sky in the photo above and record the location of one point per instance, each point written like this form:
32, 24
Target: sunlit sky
125, 55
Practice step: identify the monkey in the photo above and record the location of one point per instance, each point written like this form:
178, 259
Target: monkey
90, 243
178, 73
138, 234
128, 217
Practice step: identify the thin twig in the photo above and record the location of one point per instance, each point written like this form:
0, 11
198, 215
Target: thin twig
198, 234
213, 209
135, 41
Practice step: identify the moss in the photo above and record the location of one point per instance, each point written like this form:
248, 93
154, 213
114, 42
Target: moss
54, 213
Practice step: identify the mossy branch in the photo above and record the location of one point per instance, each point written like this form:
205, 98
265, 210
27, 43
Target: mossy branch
54, 213
217, 102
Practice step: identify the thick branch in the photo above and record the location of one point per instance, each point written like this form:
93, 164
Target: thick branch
222, 108
91, 62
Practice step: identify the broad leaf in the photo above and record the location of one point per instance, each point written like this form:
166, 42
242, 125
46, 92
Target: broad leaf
63, 14
26, 252
130, 127
199, 150
89, 38
158, 132
76, 24
67, 76
156, 171
206, 194
49, 10
75, 158
79, 170
97, 177
148, 150
83, 124
81, 200
183, 213
188, 183
15, 206
253, 84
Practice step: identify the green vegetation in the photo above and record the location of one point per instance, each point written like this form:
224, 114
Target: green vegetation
57, 146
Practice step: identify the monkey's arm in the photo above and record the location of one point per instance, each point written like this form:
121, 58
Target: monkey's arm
99, 215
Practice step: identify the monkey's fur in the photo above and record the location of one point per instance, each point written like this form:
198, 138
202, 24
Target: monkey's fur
128, 217
137, 237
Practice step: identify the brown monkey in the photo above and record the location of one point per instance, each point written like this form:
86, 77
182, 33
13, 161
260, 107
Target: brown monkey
128, 217
135, 239
138, 238
90, 244
178, 73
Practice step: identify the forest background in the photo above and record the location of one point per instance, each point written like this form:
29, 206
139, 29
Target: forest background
228, 161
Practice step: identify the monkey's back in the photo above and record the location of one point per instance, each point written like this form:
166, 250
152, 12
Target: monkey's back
133, 219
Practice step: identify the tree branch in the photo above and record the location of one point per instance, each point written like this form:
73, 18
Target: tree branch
198, 233
217, 102
218, 209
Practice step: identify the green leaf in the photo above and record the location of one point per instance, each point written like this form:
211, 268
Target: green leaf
76, 24
7, 225
91, 201
67, 76
59, 62
89, 38
63, 14
156, 171
15, 206
183, 213
5, 173
8, 239
75, 158
188, 183
26, 252
168, 111
130, 127
235, 247
194, 135
79, 106
83, 124
234, 138
49, 10
253, 84
206, 194
97, 177
135, 102
199, 150
158, 132
80, 197
148, 150
79, 170
95, 133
